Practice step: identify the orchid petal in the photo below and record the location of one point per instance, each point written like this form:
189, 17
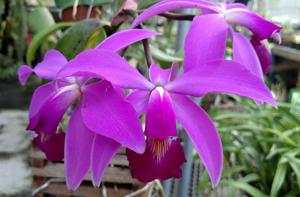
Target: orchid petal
107, 65
263, 53
52, 109
244, 53
205, 41
38, 98
158, 75
139, 100
169, 5
203, 134
160, 118
125, 38
52, 146
103, 151
78, 146
161, 160
261, 28
107, 113
174, 71
24, 73
53, 61
222, 76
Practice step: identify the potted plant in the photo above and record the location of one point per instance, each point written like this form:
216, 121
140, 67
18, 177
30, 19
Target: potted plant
73, 10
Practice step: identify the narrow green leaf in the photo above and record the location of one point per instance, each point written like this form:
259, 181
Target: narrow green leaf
247, 188
278, 178
41, 36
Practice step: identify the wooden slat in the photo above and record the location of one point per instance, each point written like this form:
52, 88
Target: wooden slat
59, 189
286, 52
112, 174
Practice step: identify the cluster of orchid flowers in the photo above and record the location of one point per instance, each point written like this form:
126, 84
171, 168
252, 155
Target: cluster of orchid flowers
104, 118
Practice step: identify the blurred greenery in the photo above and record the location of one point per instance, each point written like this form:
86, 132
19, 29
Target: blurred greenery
261, 150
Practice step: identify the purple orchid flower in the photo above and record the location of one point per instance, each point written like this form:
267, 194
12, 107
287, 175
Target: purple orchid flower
102, 120
166, 98
213, 26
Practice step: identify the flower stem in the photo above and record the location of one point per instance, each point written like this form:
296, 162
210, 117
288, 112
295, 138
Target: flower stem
180, 17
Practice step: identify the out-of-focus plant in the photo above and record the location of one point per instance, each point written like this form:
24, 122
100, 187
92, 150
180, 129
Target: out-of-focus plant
13, 29
261, 148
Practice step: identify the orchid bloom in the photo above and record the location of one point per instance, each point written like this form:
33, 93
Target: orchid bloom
208, 33
102, 120
166, 98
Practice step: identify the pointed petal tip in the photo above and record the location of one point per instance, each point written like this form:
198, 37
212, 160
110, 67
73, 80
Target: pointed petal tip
276, 36
24, 73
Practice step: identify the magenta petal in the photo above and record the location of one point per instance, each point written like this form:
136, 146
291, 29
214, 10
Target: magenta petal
263, 53
52, 109
53, 61
51, 145
24, 73
107, 113
103, 151
139, 100
205, 41
107, 65
203, 134
170, 5
160, 117
261, 28
244, 53
125, 38
222, 77
38, 98
78, 146
174, 71
161, 160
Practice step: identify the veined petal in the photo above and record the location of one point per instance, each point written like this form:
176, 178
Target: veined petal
161, 160
203, 134
52, 109
139, 100
159, 76
160, 118
170, 5
263, 53
125, 38
103, 151
205, 41
51, 145
107, 113
244, 53
78, 146
24, 73
222, 76
261, 28
108, 65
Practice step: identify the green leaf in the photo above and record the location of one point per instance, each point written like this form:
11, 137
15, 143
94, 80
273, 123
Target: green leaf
77, 37
278, 178
162, 56
96, 37
40, 37
247, 188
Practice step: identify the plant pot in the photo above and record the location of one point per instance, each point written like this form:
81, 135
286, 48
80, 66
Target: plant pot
82, 9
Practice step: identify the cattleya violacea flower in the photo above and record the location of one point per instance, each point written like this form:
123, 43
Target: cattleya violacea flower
209, 31
102, 119
165, 98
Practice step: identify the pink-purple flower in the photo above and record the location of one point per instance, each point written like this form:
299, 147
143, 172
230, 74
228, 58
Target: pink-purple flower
209, 31
166, 98
102, 119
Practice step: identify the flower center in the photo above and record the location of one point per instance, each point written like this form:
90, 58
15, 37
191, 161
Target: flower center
159, 148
